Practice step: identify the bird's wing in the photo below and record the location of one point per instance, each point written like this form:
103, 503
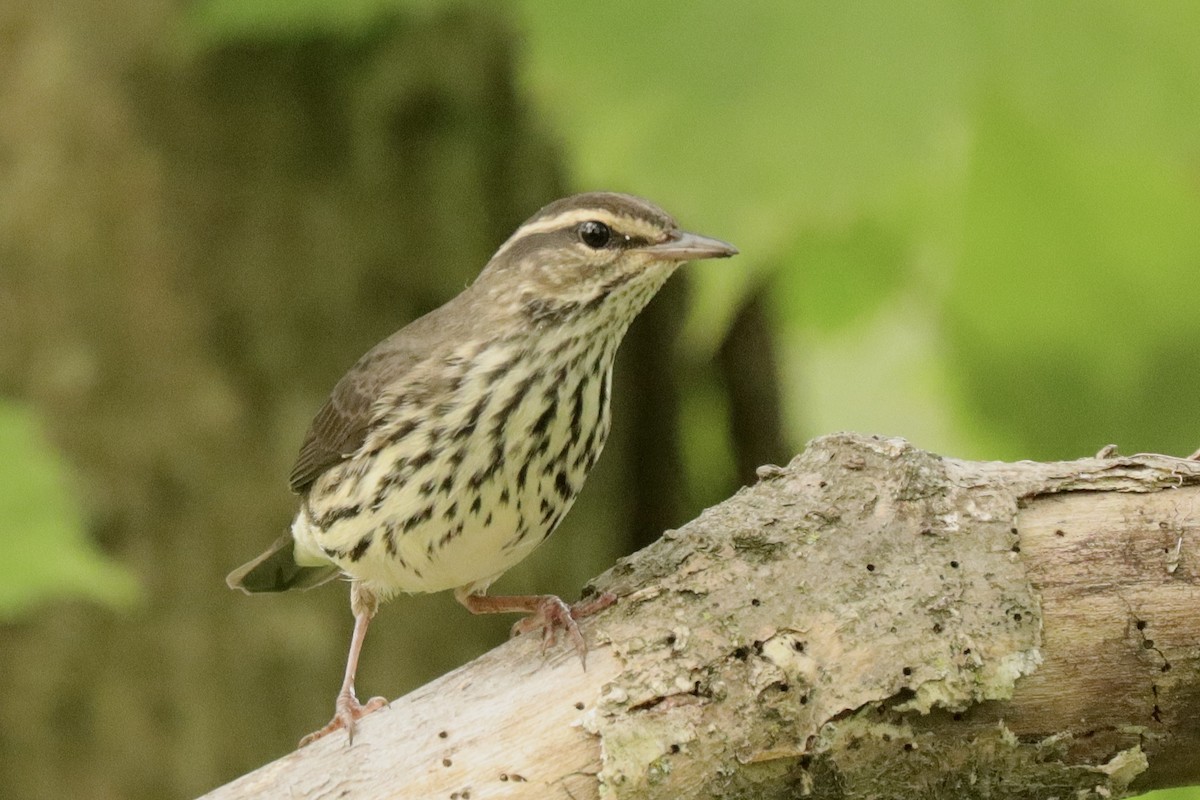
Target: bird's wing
335, 433
342, 424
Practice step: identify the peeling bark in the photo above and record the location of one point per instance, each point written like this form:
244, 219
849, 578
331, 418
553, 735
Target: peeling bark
870, 621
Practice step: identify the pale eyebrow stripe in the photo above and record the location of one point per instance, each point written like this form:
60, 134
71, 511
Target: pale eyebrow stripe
568, 219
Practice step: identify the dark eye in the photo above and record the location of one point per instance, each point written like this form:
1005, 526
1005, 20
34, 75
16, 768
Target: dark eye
594, 234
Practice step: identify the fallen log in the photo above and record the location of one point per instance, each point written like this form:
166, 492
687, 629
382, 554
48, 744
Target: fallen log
870, 621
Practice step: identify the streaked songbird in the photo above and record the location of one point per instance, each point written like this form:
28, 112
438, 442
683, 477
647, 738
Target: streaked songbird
455, 446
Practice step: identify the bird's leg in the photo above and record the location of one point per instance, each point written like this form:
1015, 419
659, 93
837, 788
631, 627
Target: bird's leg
347, 709
546, 611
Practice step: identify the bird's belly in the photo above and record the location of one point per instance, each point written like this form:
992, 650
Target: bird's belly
488, 546
463, 540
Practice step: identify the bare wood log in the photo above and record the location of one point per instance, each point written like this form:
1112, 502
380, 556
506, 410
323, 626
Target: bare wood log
870, 621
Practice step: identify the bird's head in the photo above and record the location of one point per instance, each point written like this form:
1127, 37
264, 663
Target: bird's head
589, 251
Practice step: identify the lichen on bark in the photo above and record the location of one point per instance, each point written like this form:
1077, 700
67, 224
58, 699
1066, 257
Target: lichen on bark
807, 634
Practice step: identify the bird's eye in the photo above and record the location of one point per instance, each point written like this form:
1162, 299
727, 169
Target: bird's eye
594, 234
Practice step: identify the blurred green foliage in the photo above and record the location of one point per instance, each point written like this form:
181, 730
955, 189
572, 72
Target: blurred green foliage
46, 551
997, 202
1192, 793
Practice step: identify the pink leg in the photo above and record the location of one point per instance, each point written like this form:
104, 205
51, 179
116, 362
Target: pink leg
347, 709
546, 611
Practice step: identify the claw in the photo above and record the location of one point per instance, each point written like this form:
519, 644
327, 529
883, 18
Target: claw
552, 614
347, 712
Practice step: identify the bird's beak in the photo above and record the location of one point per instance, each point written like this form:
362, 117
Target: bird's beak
684, 246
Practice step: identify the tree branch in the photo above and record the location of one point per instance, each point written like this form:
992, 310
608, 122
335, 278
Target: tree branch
871, 621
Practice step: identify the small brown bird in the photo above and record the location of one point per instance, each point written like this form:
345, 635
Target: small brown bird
455, 446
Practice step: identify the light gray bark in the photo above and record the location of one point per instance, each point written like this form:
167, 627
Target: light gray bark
870, 621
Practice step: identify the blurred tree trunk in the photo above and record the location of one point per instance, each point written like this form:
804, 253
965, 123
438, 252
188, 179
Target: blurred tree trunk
194, 249
750, 371
195, 243
646, 405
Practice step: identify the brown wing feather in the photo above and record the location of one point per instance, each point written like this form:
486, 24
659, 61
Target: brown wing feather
337, 430
343, 423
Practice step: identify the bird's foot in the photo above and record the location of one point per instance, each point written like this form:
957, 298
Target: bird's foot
348, 711
552, 615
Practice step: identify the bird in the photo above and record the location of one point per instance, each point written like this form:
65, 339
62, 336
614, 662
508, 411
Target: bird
455, 446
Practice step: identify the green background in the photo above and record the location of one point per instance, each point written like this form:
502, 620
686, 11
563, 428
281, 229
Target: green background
973, 225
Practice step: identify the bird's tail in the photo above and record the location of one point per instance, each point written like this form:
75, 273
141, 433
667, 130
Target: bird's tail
276, 570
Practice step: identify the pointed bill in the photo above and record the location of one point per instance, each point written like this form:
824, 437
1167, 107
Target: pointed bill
684, 246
